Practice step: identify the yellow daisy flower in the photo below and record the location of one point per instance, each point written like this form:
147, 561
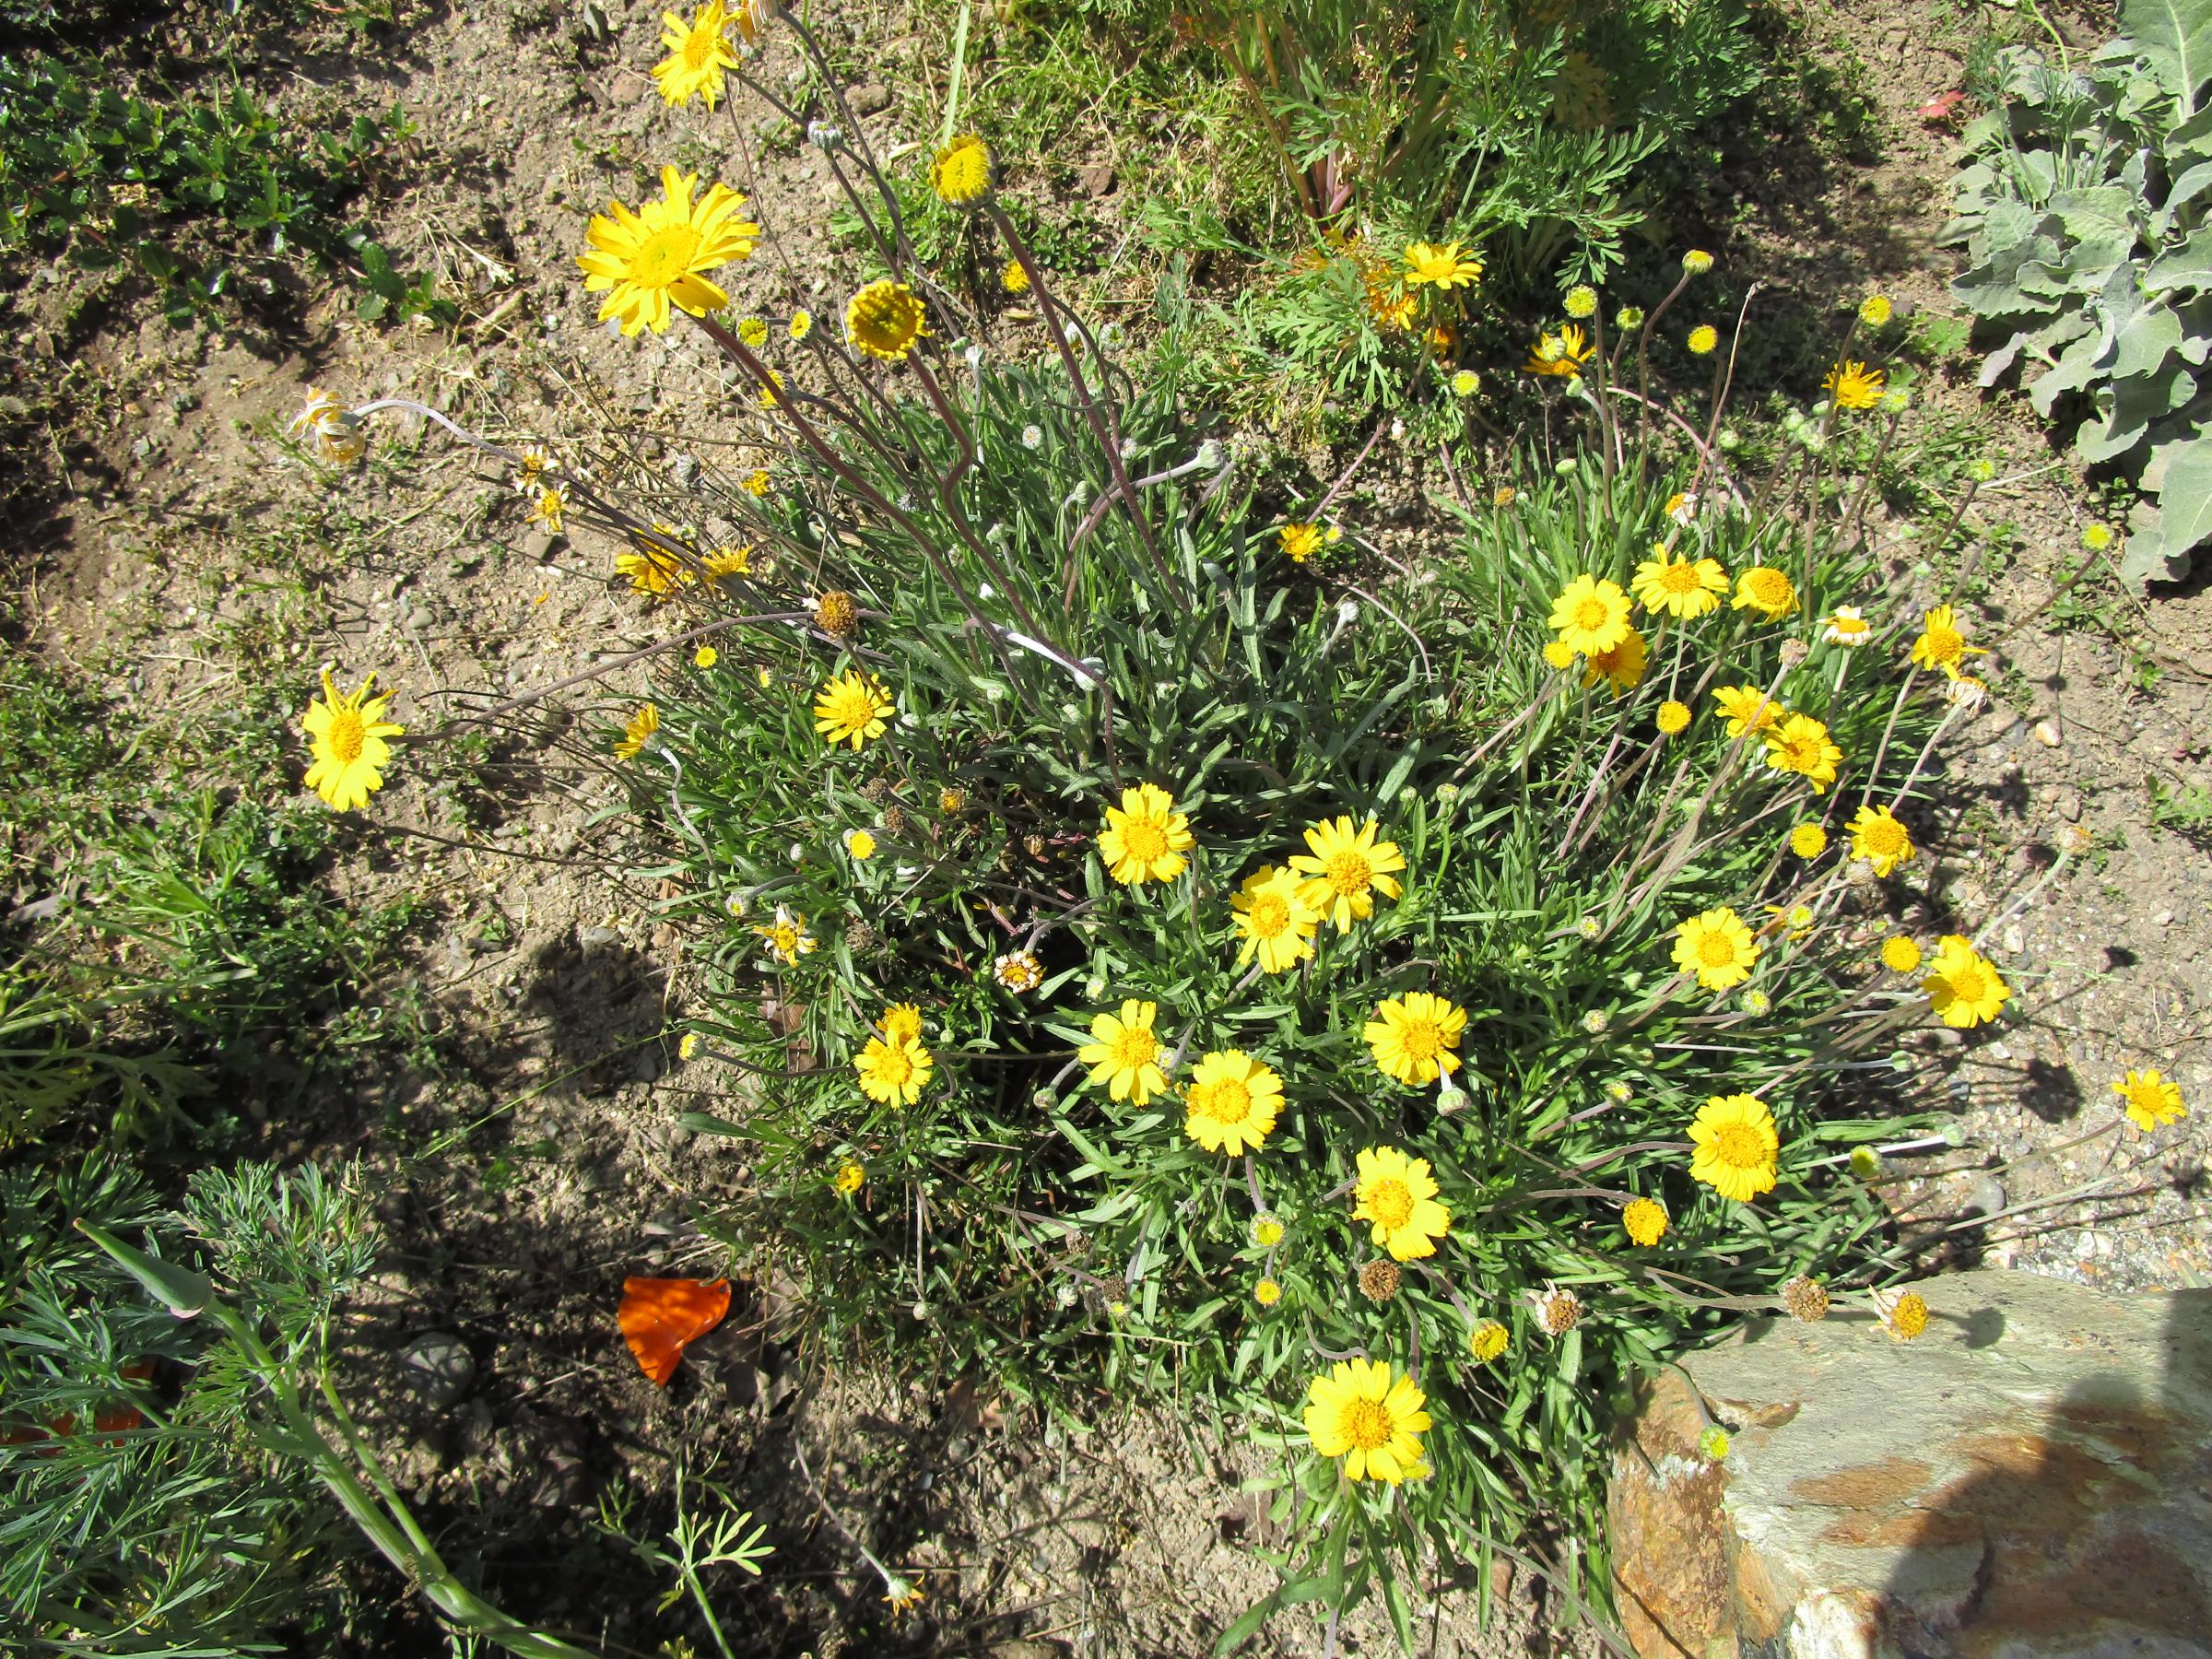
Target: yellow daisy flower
1716, 945
801, 324
1591, 614
1018, 970
1301, 542
885, 318
1854, 386
1874, 309
1899, 955
1765, 590
1125, 1056
1345, 868
1736, 1147
860, 846
1702, 339
962, 172
851, 708
1371, 1418
346, 738
1686, 588
1397, 1196
1801, 744
1644, 1220
1562, 353
1906, 1318
1622, 664
894, 1073
1271, 915
1673, 717
785, 937
1231, 1102
1941, 645
655, 258
1746, 708
1964, 986
1847, 627
1013, 279
1487, 1340
849, 1179
638, 731
2151, 1101
1144, 838
1444, 267
1412, 1037
1880, 839
1809, 839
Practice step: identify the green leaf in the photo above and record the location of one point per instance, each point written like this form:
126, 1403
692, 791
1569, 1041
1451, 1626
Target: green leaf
185, 1293
2176, 37
2159, 549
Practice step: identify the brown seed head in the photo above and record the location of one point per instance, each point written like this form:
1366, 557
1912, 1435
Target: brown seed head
951, 802
1806, 1300
860, 938
1379, 1280
836, 614
894, 821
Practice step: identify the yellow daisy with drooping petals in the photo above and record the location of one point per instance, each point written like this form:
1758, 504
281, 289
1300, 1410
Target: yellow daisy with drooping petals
885, 318
1622, 665
962, 172
1765, 590
1683, 588
1591, 614
1231, 1102
345, 736
1301, 542
638, 731
1346, 868
902, 1022
1801, 744
1880, 839
1562, 353
2151, 1101
1736, 1147
851, 708
1412, 1037
699, 55
1716, 945
1370, 1416
1397, 1196
1746, 708
1271, 915
1847, 626
1146, 838
787, 936
1124, 1056
1964, 986
1443, 268
656, 258
894, 1073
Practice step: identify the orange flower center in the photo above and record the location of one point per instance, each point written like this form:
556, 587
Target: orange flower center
1680, 580
1269, 915
1366, 1424
1421, 1038
1716, 950
1592, 614
1739, 1146
347, 734
665, 258
1389, 1204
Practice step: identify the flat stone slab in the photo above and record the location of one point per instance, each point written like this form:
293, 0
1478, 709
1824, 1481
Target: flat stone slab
2030, 1479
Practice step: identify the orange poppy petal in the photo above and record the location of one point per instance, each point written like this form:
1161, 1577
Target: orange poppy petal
660, 1317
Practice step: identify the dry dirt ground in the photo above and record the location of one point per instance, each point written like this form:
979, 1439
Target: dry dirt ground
522, 1179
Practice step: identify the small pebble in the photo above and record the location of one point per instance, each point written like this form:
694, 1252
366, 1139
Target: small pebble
2046, 734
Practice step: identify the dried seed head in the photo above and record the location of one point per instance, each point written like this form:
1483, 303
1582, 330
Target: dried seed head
836, 614
951, 802
876, 790
1035, 846
1559, 1312
1794, 651
1806, 1300
1379, 1280
894, 821
860, 938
